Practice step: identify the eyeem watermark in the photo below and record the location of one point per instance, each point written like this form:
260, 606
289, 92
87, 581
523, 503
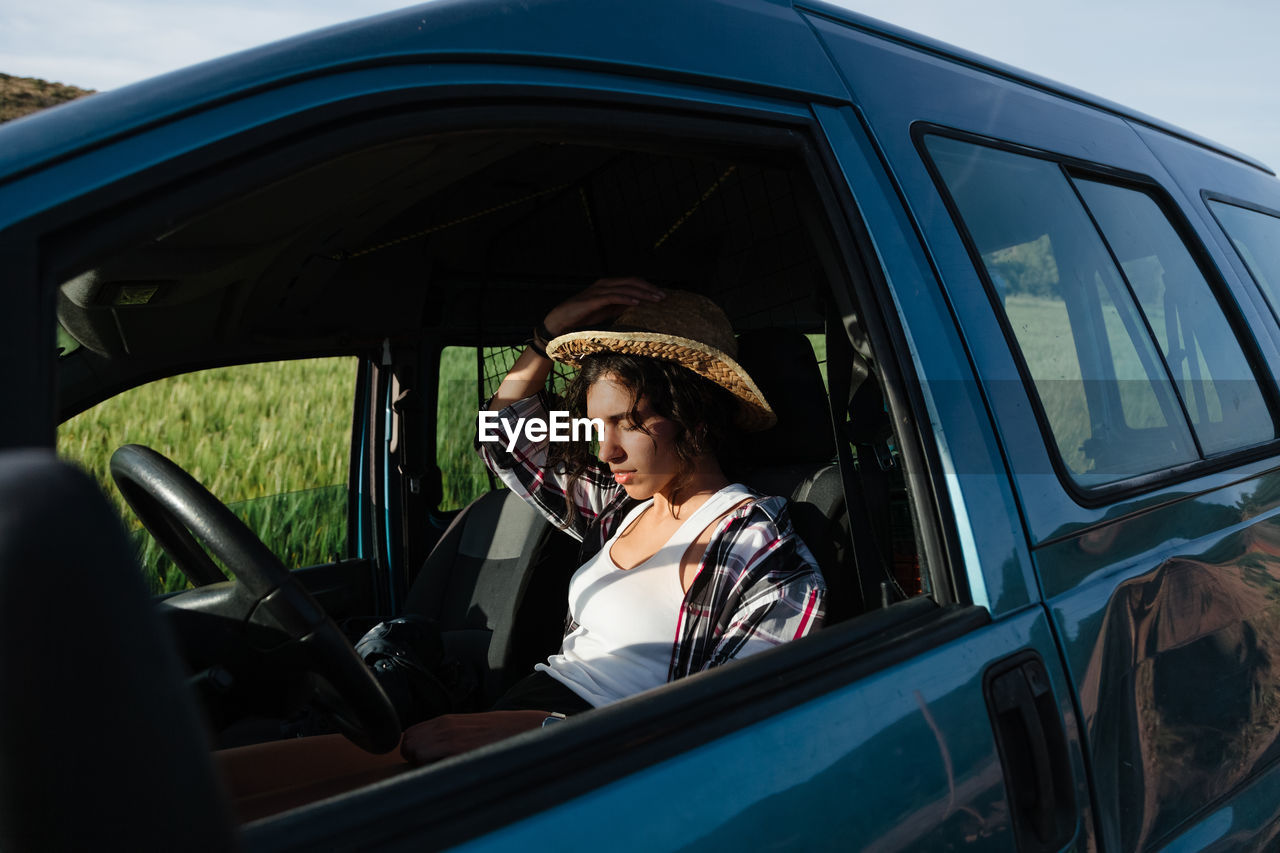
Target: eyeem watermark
560, 427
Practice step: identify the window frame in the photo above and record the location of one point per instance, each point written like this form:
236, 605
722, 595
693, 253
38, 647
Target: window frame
1073, 168
127, 212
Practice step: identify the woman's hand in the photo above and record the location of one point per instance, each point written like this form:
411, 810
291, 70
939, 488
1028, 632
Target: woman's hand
603, 300
454, 734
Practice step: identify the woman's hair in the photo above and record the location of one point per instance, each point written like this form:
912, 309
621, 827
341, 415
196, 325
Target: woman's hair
702, 411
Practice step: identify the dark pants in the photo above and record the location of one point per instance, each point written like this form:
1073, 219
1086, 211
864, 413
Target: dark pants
540, 692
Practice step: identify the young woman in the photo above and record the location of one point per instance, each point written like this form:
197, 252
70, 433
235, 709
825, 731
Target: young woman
682, 569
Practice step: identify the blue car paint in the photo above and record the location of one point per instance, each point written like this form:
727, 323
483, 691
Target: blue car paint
103, 164
1152, 594
1181, 633
905, 757
771, 51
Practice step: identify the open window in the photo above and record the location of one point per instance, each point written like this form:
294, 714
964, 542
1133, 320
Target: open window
428, 253
272, 440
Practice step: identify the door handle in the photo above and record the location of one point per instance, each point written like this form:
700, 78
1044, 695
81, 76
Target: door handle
1033, 751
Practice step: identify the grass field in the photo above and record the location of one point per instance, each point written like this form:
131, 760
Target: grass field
270, 440
464, 474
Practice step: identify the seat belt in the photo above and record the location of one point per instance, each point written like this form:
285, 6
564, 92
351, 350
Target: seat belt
847, 370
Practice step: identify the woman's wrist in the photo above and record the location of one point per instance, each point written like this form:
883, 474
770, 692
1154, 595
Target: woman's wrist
541, 337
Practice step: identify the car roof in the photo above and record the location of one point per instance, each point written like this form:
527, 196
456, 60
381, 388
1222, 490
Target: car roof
1012, 73
772, 48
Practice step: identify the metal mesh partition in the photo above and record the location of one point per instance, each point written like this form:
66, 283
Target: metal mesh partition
730, 230
495, 362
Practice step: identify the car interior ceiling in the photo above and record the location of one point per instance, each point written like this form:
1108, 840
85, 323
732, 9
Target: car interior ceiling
459, 239
400, 239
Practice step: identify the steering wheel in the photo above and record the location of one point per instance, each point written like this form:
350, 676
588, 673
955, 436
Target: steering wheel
267, 599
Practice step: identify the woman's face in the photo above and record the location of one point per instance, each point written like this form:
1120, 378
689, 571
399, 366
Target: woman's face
643, 463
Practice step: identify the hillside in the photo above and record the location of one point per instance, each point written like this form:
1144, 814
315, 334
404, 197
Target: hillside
22, 95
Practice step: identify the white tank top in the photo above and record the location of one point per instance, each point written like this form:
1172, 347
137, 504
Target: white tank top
627, 617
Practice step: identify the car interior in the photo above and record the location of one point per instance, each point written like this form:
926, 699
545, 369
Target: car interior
392, 249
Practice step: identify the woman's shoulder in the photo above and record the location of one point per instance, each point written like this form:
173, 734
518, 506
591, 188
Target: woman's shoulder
760, 508
762, 524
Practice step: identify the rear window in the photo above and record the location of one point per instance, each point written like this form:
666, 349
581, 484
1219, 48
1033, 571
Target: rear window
1256, 237
1133, 362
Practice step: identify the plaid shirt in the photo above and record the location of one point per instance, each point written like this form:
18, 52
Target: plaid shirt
757, 585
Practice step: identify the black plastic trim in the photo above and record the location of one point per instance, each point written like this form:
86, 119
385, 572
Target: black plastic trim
1025, 718
28, 346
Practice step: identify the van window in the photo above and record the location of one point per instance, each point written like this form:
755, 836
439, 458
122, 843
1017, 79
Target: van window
1132, 359
1256, 237
1209, 369
272, 440
1106, 399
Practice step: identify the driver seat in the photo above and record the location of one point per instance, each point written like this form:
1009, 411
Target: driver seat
100, 742
490, 581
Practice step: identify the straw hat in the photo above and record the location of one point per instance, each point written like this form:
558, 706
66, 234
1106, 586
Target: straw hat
695, 333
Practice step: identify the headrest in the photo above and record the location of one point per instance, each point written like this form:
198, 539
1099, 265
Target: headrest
784, 367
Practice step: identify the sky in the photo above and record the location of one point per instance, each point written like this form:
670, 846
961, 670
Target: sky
1207, 67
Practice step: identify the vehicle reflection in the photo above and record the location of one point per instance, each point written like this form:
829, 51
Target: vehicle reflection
1179, 694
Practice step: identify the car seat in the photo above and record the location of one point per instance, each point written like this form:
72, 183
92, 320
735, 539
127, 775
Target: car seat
100, 742
497, 582
797, 456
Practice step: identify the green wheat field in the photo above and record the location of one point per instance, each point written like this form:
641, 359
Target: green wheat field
272, 442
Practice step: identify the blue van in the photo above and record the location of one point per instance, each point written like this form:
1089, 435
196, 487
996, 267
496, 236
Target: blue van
1022, 342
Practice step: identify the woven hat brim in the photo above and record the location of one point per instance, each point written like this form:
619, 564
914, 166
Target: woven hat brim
754, 412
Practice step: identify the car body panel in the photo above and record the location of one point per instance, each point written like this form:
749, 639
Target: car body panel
815, 793
1169, 624
944, 96
1249, 822
237, 118
845, 18
1165, 603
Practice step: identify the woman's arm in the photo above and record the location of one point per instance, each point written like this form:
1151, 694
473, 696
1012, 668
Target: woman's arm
601, 302
522, 463
759, 586
454, 734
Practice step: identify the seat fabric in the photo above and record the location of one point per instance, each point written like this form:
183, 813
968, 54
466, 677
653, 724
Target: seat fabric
796, 456
497, 582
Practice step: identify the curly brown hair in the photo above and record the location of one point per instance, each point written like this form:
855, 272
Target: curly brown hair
701, 409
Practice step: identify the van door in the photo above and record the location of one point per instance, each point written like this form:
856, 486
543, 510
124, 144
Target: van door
1134, 405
